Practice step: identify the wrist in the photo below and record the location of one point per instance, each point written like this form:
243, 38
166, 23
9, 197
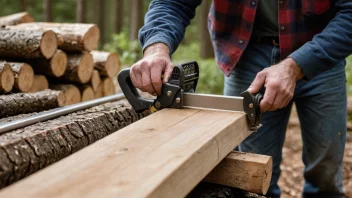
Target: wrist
155, 48
296, 69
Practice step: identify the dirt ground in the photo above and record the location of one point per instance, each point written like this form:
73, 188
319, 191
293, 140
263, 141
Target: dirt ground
291, 180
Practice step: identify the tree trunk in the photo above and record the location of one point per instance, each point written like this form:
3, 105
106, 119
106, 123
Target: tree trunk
54, 67
119, 7
106, 63
72, 37
23, 76
7, 78
87, 93
101, 20
40, 83
80, 11
15, 19
48, 14
71, 93
24, 5
79, 68
206, 48
95, 80
136, 18
27, 44
108, 87
20, 103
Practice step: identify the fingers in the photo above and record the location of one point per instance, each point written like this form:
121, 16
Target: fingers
136, 77
167, 72
155, 75
258, 82
146, 82
268, 100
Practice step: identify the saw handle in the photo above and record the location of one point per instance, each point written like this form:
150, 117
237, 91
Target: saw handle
138, 103
251, 106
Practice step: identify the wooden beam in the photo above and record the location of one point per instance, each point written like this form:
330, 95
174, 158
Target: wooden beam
163, 155
247, 171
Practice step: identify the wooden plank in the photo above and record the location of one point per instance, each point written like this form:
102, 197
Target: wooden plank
163, 155
247, 171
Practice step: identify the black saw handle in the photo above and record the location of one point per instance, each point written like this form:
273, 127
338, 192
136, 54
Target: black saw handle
138, 103
251, 106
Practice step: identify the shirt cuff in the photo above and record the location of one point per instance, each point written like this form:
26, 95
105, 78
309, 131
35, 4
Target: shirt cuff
309, 63
158, 38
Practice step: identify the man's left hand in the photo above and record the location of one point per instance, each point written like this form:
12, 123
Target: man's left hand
279, 81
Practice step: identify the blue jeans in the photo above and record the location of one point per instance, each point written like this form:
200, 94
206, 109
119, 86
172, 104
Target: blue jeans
321, 107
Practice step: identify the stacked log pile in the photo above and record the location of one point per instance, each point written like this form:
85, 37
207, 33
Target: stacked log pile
35, 56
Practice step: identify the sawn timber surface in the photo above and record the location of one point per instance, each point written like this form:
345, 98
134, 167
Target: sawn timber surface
163, 155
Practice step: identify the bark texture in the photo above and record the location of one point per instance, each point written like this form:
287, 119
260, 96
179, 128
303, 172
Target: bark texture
15, 19
7, 78
40, 83
23, 76
55, 67
71, 93
20, 103
106, 63
27, 44
27, 150
79, 68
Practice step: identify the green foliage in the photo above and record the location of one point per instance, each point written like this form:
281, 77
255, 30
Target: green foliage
349, 75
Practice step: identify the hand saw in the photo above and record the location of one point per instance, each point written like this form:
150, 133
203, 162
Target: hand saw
179, 92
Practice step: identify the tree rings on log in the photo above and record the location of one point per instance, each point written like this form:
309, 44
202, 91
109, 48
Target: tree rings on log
79, 68
23, 76
7, 78
87, 93
98, 93
71, 93
54, 67
108, 87
106, 63
40, 83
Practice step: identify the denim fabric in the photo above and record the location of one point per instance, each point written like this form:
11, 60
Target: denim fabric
321, 107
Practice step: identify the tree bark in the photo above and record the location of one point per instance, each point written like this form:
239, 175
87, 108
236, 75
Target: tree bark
7, 77
27, 44
27, 150
20, 103
71, 93
106, 63
95, 80
206, 48
87, 93
54, 67
119, 7
79, 68
23, 76
15, 19
72, 37
108, 87
48, 13
80, 11
136, 18
40, 83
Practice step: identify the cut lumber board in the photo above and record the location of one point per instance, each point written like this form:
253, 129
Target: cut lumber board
95, 80
40, 83
7, 77
14, 104
106, 63
163, 155
72, 37
246, 171
79, 68
87, 93
15, 19
71, 93
24, 76
108, 87
27, 150
55, 66
27, 44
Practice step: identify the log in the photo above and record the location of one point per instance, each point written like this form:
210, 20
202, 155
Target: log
79, 68
71, 93
55, 67
14, 104
15, 19
72, 37
27, 44
40, 83
87, 93
7, 77
246, 171
23, 76
95, 80
27, 150
98, 93
163, 155
106, 63
108, 87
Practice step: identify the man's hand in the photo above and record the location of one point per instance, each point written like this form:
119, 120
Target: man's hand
146, 74
279, 82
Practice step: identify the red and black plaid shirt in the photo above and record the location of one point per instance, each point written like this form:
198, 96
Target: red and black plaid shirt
231, 24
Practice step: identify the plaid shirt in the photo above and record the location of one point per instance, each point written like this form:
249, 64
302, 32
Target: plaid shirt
317, 34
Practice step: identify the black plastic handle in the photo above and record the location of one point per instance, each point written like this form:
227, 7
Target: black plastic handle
138, 103
251, 106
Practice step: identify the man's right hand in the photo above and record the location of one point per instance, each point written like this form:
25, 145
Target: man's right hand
153, 69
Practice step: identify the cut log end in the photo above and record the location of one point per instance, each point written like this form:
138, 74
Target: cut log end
71, 93
91, 38
7, 79
48, 44
95, 80
58, 63
98, 93
85, 68
40, 83
87, 93
25, 78
108, 87
112, 65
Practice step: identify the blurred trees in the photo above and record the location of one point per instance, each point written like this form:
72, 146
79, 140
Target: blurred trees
80, 11
48, 13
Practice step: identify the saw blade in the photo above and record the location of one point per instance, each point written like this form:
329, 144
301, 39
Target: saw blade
210, 101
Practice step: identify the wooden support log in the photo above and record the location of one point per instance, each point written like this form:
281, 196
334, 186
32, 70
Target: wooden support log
40, 83
79, 68
247, 171
15, 19
7, 77
72, 37
24, 75
55, 67
108, 87
106, 63
20, 103
71, 93
27, 150
87, 93
163, 155
95, 80
27, 44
